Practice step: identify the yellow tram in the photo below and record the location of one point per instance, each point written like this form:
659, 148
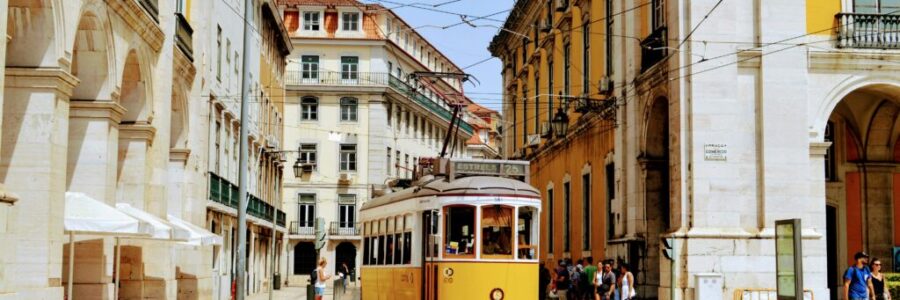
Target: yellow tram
469, 231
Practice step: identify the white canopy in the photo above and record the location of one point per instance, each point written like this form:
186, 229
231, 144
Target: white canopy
161, 229
199, 236
84, 214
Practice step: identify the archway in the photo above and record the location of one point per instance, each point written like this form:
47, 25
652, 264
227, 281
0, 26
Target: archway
862, 174
134, 90
657, 202
304, 258
90, 60
345, 253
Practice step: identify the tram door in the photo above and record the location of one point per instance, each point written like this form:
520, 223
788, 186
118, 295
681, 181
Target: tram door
430, 242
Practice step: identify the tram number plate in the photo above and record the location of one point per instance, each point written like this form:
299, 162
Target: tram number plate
486, 168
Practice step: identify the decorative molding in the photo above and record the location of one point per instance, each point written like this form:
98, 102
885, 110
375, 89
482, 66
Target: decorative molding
137, 132
857, 59
184, 68
138, 19
56, 79
818, 148
178, 154
97, 110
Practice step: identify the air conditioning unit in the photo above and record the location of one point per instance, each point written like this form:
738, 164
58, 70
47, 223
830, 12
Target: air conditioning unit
546, 26
606, 85
545, 130
561, 5
346, 178
533, 140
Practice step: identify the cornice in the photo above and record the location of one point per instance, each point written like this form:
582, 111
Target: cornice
854, 59
139, 21
176, 154
97, 110
143, 132
184, 67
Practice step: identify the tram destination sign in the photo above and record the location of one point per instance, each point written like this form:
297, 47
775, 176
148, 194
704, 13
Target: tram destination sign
490, 168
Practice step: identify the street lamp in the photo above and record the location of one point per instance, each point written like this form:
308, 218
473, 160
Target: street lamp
298, 168
560, 123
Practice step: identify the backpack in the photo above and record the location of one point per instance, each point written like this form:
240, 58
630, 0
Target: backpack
584, 283
314, 276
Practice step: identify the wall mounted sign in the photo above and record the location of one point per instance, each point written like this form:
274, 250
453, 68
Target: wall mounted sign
715, 152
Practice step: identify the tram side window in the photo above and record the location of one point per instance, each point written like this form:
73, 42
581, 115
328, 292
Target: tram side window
527, 235
380, 246
496, 230
366, 248
398, 256
460, 231
389, 252
407, 248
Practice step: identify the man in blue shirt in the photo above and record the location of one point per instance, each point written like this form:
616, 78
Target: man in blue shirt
858, 279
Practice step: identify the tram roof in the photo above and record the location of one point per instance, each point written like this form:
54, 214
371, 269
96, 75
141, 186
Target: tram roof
466, 186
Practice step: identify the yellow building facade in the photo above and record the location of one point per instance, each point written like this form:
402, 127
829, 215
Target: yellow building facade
555, 63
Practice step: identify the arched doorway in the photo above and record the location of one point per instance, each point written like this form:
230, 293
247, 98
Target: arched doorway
862, 174
657, 203
346, 253
304, 258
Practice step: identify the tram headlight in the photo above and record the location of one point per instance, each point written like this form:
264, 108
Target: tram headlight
497, 294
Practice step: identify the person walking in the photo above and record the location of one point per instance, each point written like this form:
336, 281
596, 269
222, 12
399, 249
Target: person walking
344, 275
544, 280
589, 287
562, 280
626, 283
858, 279
321, 279
878, 281
605, 281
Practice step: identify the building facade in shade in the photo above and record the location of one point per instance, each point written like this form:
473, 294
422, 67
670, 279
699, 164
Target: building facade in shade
357, 119
553, 54
735, 114
118, 101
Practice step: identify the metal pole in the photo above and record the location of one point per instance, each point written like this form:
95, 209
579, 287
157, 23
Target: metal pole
118, 268
242, 164
674, 265
71, 265
272, 250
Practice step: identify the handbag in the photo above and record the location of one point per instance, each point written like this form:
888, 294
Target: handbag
553, 294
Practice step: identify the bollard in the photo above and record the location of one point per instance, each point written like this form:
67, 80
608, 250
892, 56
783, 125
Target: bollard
310, 291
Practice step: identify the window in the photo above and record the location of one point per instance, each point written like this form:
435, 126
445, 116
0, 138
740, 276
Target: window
310, 67
306, 212
309, 109
524, 52
348, 109
407, 247
586, 61
586, 212
610, 195
349, 67
567, 65
496, 231
525, 116
550, 232
566, 215
367, 256
347, 214
390, 113
311, 20
406, 167
397, 164
609, 38
459, 235
219, 54
527, 233
348, 157
218, 134
350, 21
659, 13
398, 241
308, 154
228, 57
829, 154
550, 86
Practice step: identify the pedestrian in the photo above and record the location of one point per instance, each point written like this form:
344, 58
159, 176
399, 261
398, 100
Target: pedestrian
590, 270
576, 271
562, 280
345, 273
626, 283
321, 279
878, 281
858, 279
605, 281
544, 280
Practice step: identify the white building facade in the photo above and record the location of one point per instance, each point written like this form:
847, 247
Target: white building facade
355, 119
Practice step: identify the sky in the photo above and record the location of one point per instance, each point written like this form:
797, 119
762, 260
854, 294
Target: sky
464, 44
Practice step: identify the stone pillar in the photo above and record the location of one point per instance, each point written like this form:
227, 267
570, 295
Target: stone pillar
134, 171
35, 123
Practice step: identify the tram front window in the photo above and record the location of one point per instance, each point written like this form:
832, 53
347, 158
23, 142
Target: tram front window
460, 231
496, 231
527, 235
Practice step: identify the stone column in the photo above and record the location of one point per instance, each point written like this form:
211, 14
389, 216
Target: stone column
134, 171
35, 139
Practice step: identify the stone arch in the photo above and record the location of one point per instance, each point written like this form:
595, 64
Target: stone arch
179, 118
135, 90
36, 28
840, 91
92, 61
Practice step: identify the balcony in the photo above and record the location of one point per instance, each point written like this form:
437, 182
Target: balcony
224, 192
302, 228
343, 229
653, 48
152, 8
431, 105
868, 31
332, 78
184, 36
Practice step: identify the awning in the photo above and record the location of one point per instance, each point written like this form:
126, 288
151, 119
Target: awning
161, 229
198, 235
84, 214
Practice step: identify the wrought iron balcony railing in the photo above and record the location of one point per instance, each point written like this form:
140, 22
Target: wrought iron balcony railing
302, 228
184, 35
331, 78
868, 31
344, 229
653, 48
226, 193
152, 8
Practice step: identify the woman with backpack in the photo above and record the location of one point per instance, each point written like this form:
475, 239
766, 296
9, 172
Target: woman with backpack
321, 278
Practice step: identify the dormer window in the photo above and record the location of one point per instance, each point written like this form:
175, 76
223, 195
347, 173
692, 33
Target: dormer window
350, 21
311, 21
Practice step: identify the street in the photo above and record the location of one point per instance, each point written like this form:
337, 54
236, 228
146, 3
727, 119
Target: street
299, 292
